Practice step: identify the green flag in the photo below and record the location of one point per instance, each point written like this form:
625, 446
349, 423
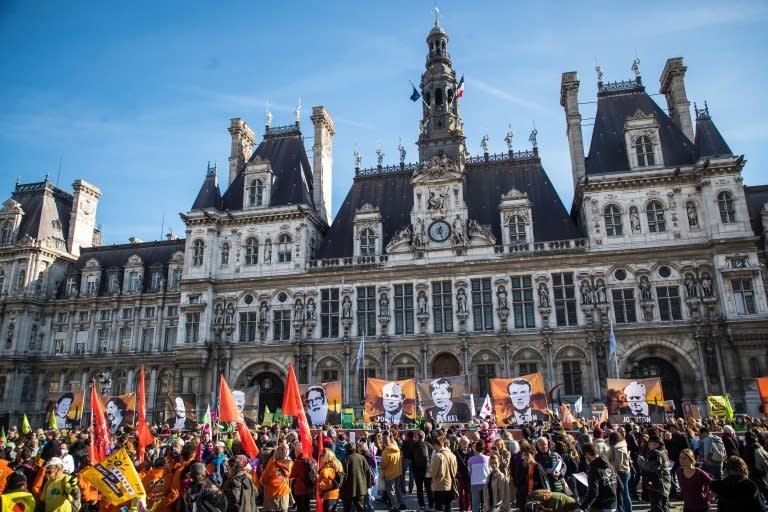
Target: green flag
267, 417
52, 421
3, 437
25, 427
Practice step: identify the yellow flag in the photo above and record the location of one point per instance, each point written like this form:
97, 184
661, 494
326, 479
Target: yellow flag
116, 478
720, 406
25, 427
52, 425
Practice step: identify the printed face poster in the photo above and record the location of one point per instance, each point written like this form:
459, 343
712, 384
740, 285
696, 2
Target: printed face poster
393, 401
641, 401
446, 399
520, 400
247, 402
762, 388
119, 411
180, 411
322, 402
67, 408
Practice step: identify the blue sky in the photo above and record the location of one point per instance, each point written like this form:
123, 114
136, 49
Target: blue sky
136, 97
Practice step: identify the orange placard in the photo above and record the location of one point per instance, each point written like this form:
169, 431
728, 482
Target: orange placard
119, 411
393, 401
322, 402
638, 400
519, 400
67, 408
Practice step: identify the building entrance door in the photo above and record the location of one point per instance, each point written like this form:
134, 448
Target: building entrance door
271, 390
445, 365
670, 379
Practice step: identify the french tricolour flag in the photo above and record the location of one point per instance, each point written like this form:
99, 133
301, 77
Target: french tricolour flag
460, 89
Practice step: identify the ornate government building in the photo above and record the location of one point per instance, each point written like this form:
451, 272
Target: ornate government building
454, 264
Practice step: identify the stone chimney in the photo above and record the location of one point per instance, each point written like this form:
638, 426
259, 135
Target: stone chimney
322, 162
82, 218
569, 99
243, 141
673, 88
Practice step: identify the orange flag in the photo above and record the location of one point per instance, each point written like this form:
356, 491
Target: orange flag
100, 436
228, 412
246, 440
143, 435
292, 407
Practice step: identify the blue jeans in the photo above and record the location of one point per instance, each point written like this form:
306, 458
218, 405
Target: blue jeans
477, 497
406, 467
624, 500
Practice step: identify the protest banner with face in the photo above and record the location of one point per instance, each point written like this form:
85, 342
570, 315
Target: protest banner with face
247, 402
180, 411
446, 399
393, 401
639, 400
67, 408
520, 400
322, 402
119, 411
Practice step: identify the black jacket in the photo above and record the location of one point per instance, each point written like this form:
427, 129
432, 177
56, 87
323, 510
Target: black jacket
550, 461
601, 492
421, 454
736, 493
241, 493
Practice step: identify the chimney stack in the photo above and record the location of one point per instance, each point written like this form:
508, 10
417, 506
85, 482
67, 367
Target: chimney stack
322, 162
569, 99
673, 88
242, 145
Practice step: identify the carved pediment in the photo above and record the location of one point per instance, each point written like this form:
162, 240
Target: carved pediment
639, 115
11, 206
438, 167
514, 194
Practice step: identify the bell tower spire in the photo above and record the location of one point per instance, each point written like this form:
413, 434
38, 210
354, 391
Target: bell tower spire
441, 125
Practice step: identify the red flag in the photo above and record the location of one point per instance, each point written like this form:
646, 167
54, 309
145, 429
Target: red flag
100, 436
144, 436
228, 412
246, 440
292, 407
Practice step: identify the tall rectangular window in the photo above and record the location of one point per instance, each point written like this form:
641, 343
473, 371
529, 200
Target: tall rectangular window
172, 311
147, 339
102, 337
624, 305
669, 303
528, 368
485, 372
155, 281
482, 304
281, 324
248, 326
90, 285
125, 339
572, 377
175, 279
565, 298
192, 328
442, 306
105, 314
522, 302
133, 281
169, 340
128, 314
149, 312
743, 296
329, 313
403, 309
367, 373
366, 310
113, 283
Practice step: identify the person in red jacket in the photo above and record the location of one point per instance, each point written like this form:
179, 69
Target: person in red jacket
303, 487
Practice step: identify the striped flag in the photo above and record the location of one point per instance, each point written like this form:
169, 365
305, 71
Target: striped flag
460, 88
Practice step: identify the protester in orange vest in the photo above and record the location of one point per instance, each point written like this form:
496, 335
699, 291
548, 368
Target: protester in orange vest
5, 471
89, 494
329, 479
276, 481
157, 484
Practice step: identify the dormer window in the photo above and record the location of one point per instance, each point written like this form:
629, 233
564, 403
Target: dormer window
5, 234
284, 249
613, 225
655, 212
133, 281
113, 283
251, 251
725, 205
256, 193
198, 247
71, 287
155, 281
367, 242
644, 150
517, 228
90, 285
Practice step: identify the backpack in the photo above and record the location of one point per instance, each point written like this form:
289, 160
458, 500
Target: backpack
311, 469
716, 449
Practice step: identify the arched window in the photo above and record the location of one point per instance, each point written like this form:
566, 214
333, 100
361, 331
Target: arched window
644, 150
438, 96
655, 211
725, 204
367, 243
198, 246
284, 249
516, 227
251, 251
5, 234
225, 253
612, 215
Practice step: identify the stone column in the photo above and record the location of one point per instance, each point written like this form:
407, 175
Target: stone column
347, 375
702, 364
129, 387
84, 380
385, 359
595, 370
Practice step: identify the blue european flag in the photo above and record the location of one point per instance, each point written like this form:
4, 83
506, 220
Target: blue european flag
415, 94
612, 343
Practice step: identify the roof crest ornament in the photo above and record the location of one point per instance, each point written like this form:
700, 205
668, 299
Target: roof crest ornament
437, 15
636, 67
532, 138
358, 158
379, 156
297, 111
484, 143
269, 116
508, 138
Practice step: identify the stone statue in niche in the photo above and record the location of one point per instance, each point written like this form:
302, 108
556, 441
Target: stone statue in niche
461, 300
310, 309
421, 303
602, 296
459, 236
229, 315
263, 309
383, 304
586, 293
543, 296
501, 297
437, 199
298, 310
634, 219
690, 285
706, 285
268, 251
419, 235
218, 317
645, 289
346, 308
693, 216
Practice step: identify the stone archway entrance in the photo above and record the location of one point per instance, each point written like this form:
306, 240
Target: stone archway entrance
671, 384
271, 390
445, 365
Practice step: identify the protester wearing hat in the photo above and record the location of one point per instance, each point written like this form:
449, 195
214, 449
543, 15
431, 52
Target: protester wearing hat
60, 490
239, 489
655, 468
157, 484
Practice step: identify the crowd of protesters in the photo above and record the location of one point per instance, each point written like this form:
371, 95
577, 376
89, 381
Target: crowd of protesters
474, 468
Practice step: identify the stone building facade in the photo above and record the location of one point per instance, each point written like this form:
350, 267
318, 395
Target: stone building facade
454, 264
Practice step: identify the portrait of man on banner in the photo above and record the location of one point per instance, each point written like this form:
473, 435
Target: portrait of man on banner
322, 402
247, 403
639, 400
67, 408
180, 411
119, 411
520, 400
390, 401
445, 399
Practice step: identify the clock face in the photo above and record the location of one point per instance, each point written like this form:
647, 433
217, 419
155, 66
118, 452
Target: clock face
439, 231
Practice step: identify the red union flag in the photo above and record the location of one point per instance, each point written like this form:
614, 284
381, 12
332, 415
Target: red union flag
101, 439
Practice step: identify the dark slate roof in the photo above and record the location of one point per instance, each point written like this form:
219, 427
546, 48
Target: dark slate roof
709, 142
43, 203
485, 183
152, 254
209, 195
284, 148
757, 196
608, 151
